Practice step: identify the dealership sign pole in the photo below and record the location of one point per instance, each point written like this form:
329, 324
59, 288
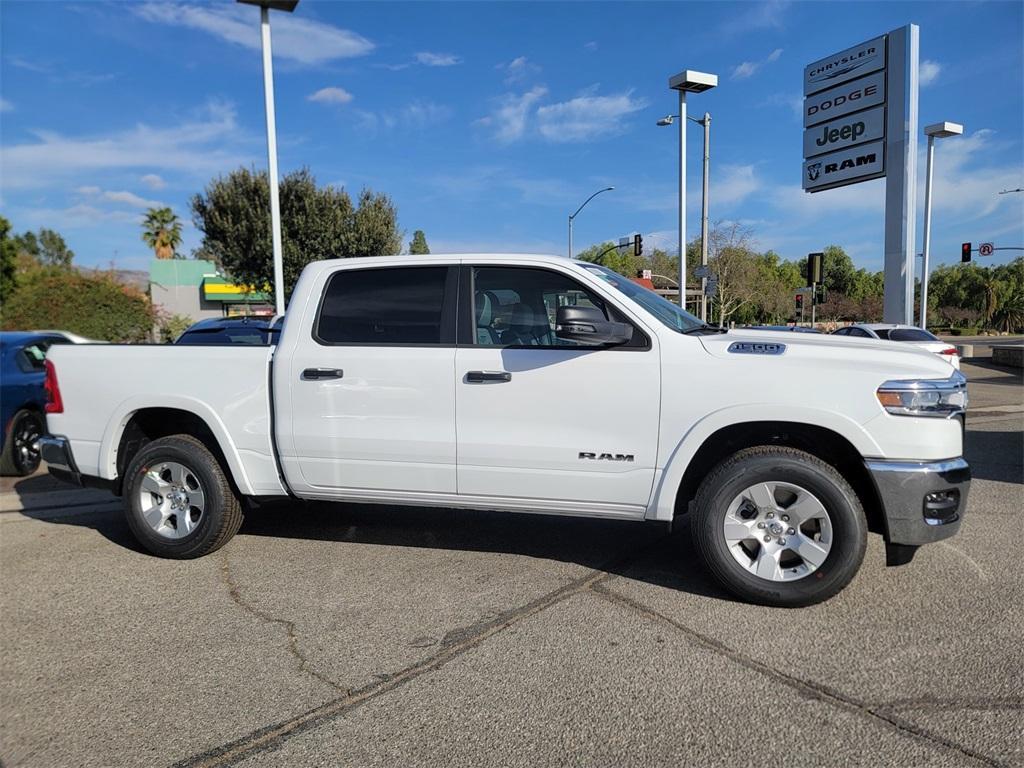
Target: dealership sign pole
860, 123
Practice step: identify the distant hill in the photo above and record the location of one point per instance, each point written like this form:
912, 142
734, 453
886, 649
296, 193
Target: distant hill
137, 278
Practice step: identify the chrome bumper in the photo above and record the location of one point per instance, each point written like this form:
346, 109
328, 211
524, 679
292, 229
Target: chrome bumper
922, 501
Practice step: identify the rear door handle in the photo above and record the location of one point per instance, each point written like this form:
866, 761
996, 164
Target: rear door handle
479, 377
315, 374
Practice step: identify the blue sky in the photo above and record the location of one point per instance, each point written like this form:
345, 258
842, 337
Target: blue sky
488, 123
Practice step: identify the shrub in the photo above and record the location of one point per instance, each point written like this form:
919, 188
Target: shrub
96, 306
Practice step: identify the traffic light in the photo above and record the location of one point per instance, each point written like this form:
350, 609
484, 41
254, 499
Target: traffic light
815, 267
638, 245
965, 252
799, 306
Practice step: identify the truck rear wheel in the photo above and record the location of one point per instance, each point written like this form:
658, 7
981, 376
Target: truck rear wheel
777, 526
177, 499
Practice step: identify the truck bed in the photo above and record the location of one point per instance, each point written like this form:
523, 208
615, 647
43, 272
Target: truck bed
103, 386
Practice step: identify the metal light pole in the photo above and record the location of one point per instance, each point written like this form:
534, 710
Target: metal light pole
938, 130
704, 217
687, 81
573, 216
268, 95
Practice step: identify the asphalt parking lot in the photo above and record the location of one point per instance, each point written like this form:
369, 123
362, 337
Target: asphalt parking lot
370, 636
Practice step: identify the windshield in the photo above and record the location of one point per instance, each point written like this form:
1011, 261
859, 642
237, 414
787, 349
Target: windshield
663, 309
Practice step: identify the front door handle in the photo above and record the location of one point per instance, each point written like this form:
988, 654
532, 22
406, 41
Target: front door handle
316, 374
480, 377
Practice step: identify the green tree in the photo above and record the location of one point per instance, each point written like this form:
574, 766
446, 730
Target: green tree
161, 231
53, 251
8, 261
96, 305
418, 246
233, 213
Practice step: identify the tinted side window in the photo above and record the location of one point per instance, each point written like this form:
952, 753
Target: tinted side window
394, 305
910, 334
860, 333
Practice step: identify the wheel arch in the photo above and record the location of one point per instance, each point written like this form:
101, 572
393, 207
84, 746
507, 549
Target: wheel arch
136, 424
698, 453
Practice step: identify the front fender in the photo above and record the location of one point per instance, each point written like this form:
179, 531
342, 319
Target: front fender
128, 408
667, 483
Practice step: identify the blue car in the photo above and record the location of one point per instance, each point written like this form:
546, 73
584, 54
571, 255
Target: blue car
23, 398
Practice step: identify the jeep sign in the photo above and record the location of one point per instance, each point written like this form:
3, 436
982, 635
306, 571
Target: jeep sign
858, 163
852, 97
846, 65
859, 128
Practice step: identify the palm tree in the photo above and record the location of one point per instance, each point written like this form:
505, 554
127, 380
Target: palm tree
1010, 315
161, 231
990, 285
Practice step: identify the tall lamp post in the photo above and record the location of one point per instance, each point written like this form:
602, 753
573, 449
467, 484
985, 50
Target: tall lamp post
268, 94
706, 122
687, 81
941, 131
573, 216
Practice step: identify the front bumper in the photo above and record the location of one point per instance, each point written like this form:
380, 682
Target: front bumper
56, 452
922, 501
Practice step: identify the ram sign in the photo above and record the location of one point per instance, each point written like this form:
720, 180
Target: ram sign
844, 117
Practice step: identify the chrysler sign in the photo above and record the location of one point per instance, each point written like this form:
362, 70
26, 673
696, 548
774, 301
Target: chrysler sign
846, 65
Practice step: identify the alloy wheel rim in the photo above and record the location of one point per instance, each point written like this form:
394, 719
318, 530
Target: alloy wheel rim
171, 499
778, 531
26, 443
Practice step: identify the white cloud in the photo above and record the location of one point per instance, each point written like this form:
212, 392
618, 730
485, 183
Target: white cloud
294, 37
331, 95
89, 191
511, 116
763, 15
6, 106
416, 114
749, 68
733, 183
127, 198
587, 116
591, 46
153, 181
437, 59
928, 71
207, 144
518, 70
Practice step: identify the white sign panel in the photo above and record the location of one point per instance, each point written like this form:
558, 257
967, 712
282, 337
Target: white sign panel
986, 249
849, 97
847, 166
846, 65
858, 128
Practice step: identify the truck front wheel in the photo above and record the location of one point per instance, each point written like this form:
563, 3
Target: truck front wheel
178, 500
777, 526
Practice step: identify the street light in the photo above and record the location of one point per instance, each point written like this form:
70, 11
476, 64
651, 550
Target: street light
268, 94
687, 81
941, 131
706, 122
573, 216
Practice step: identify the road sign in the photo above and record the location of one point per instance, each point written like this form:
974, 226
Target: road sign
850, 97
711, 287
844, 132
701, 271
844, 66
837, 169
986, 249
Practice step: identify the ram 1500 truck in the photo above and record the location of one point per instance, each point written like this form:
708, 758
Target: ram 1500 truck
528, 384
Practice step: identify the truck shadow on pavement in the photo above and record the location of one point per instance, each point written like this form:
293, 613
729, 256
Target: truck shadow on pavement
995, 455
641, 551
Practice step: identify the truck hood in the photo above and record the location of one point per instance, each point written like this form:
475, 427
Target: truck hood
887, 358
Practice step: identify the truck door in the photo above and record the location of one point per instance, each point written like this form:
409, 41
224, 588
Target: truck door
545, 419
368, 383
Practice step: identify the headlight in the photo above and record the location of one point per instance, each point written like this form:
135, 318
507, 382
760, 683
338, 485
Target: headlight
941, 398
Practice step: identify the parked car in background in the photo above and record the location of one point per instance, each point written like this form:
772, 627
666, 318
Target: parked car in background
793, 328
258, 331
23, 398
909, 334
74, 338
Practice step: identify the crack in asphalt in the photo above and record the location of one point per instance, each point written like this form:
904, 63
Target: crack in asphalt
932, 704
805, 688
465, 640
234, 591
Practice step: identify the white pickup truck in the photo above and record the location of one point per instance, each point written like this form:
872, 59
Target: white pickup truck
528, 384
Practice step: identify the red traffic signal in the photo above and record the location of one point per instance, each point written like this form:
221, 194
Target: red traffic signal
638, 245
965, 252
799, 300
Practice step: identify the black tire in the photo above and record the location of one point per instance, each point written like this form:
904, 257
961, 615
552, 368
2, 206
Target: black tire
221, 515
20, 456
787, 465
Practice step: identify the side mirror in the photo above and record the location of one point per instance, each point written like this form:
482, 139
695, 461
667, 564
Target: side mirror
587, 325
